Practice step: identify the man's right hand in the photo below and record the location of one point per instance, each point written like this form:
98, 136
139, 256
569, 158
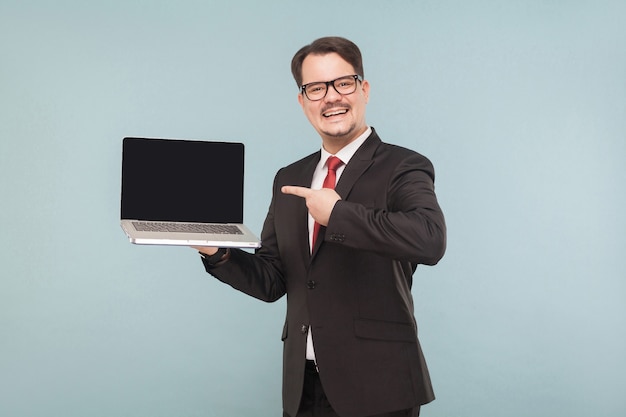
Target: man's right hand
207, 250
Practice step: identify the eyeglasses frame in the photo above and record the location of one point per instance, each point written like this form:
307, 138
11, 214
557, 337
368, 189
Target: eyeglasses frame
328, 84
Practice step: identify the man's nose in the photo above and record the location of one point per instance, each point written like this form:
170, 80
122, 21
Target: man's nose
332, 94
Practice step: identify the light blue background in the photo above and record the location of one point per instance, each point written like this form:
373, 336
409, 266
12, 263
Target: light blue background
521, 106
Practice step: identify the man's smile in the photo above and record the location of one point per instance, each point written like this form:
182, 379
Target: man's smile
335, 112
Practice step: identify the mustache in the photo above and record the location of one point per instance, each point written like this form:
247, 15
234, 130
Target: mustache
335, 106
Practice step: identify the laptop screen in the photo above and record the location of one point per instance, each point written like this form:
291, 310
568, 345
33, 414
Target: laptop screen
182, 180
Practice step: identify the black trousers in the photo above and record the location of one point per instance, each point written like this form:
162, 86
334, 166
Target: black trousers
315, 404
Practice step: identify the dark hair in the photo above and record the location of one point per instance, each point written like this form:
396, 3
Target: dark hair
322, 46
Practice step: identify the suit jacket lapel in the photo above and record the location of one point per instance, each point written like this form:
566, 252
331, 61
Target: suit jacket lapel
359, 163
305, 179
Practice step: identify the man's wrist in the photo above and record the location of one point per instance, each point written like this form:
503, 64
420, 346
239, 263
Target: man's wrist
221, 256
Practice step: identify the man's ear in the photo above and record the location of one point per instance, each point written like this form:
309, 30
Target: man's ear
365, 86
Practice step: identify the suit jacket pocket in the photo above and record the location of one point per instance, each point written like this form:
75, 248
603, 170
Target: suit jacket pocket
385, 330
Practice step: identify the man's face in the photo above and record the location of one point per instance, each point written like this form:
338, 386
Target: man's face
339, 119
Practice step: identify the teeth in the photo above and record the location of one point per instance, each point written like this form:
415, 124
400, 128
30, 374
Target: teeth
335, 113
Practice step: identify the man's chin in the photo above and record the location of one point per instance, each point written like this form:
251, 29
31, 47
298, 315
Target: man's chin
339, 132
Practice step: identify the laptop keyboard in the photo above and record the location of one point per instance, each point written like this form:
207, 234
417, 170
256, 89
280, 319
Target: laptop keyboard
222, 229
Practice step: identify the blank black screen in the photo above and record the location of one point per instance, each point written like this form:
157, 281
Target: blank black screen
182, 180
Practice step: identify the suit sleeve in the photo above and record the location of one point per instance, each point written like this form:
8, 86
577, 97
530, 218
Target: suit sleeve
411, 227
258, 275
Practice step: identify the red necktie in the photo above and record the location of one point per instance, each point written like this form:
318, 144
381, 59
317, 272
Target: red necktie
329, 182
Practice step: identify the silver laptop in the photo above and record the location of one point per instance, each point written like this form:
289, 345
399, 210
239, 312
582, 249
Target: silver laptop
184, 192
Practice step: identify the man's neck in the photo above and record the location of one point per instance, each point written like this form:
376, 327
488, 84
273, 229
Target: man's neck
334, 144
346, 151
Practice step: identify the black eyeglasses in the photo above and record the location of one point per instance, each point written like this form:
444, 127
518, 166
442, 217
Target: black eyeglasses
343, 85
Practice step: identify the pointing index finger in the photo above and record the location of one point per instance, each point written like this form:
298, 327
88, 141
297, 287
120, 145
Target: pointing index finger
295, 190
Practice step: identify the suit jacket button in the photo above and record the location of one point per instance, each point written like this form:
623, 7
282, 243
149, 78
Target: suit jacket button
304, 329
310, 284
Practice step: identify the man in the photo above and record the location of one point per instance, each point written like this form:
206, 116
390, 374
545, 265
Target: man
350, 337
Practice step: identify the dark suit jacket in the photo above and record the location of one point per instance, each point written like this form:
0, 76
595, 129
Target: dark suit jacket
354, 291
